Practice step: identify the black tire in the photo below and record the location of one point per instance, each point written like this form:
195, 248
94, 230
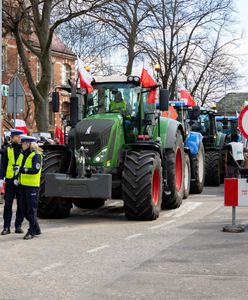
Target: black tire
142, 185
89, 203
187, 176
223, 166
172, 198
51, 207
199, 172
212, 168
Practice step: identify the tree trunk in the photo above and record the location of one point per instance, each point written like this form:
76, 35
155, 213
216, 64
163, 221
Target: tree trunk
41, 115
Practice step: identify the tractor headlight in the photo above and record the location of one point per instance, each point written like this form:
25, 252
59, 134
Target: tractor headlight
130, 78
99, 158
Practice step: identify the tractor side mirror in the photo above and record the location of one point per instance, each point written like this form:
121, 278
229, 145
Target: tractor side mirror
55, 102
163, 99
195, 113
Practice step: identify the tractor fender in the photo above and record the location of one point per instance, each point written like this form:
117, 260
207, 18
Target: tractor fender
193, 142
145, 146
169, 135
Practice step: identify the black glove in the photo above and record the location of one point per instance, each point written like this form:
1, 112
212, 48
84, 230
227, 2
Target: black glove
16, 169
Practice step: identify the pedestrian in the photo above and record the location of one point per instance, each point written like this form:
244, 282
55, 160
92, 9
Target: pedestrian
11, 157
29, 181
235, 156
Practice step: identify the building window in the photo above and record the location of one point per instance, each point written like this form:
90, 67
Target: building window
20, 65
3, 59
38, 71
66, 73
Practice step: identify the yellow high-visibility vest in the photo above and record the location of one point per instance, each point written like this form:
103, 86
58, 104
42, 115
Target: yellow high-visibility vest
30, 179
11, 161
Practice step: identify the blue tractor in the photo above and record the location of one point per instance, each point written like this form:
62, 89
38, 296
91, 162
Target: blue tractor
195, 154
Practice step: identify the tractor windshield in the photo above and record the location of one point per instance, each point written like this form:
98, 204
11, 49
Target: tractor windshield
202, 125
113, 97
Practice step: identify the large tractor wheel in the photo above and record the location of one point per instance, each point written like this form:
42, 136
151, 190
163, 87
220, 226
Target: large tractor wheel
53, 207
175, 175
142, 185
212, 168
89, 203
187, 177
199, 172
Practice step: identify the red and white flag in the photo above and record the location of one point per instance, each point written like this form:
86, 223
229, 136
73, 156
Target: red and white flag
85, 77
186, 97
21, 125
58, 133
147, 80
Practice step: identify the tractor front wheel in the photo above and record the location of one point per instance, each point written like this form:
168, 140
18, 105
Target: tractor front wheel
142, 185
175, 175
212, 168
53, 207
187, 177
199, 172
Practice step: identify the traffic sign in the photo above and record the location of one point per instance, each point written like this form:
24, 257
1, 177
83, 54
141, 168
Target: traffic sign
16, 96
243, 122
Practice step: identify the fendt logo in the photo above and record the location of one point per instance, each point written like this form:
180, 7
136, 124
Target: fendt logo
88, 130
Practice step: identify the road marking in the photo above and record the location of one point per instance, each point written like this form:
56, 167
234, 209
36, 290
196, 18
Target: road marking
161, 225
183, 209
97, 249
130, 237
46, 269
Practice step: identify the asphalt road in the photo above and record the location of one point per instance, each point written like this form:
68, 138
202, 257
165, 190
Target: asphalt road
100, 255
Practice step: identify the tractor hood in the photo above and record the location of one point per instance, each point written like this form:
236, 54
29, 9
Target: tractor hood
98, 132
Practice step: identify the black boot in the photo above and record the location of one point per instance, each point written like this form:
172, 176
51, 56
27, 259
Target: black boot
18, 230
28, 236
5, 231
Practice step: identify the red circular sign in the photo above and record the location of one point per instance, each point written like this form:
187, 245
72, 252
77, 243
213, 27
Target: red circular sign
243, 122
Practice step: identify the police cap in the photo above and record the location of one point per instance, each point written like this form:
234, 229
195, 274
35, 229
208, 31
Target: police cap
28, 139
15, 132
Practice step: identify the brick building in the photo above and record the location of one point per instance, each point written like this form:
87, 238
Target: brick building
63, 60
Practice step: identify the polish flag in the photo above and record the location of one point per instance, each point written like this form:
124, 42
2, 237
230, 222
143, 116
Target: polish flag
147, 80
85, 77
21, 125
186, 97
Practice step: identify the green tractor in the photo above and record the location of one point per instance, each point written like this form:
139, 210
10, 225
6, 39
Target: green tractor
213, 141
133, 154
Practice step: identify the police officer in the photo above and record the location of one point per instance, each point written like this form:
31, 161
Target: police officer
29, 181
11, 157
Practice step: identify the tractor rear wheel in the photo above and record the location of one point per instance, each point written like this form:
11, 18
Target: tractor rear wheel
89, 203
199, 172
53, 207
212, 168
142, 185
187, 177
175, 175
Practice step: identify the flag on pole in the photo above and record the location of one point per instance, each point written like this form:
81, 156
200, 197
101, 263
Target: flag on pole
85, 77
186, 97
147, 80
21, 125
58, 133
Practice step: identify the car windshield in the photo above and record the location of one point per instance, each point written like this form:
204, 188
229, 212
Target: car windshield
106, 93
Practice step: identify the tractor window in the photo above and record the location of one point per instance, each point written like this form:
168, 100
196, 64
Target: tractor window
100, 101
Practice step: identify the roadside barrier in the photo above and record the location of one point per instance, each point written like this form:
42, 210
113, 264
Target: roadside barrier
235, 194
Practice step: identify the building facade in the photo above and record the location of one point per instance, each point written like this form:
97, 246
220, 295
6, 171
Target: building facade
63, 68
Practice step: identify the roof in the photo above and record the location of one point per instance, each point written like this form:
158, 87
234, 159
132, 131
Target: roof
57, 45
232, 103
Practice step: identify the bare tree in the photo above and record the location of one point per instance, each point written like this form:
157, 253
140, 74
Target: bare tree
190, 39
23, 18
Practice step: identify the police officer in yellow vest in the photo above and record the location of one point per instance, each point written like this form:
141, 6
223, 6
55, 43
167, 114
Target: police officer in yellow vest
10, 158
29, 182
